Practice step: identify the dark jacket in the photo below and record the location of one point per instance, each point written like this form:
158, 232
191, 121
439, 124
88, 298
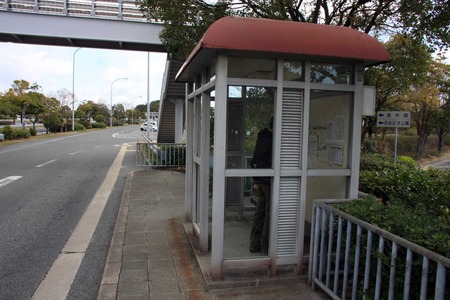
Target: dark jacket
262, 155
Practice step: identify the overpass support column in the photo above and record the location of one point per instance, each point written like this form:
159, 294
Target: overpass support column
179, 120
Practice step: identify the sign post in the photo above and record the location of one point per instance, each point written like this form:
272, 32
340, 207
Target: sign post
394, 119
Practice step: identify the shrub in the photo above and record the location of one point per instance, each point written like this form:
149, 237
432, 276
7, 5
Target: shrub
407, 160
369, 146
98, 125
22, 133
79, 127
413, 197
405, 144
413, 223
405, 180
15, 133
412, 131
33, 131
8, 132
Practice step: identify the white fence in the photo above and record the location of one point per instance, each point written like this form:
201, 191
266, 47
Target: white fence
352, 259
150, 154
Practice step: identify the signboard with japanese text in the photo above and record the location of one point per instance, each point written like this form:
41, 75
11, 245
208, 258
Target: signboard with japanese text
394, 119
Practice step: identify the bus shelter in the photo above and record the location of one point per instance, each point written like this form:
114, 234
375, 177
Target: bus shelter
300, 83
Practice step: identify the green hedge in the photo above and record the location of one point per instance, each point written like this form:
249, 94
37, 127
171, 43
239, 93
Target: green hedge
98, 125
405, 180
415, 205
415, 224
15, 133
79, 127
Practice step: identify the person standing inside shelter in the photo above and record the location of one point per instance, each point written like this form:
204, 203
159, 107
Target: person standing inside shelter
262, 159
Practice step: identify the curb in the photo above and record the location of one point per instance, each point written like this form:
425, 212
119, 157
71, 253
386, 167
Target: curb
113, 264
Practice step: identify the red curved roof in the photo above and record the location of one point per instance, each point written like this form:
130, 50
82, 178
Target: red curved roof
287, 37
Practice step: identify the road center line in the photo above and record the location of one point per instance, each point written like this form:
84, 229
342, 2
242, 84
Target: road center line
57, 283
8, 179
46, 163
76, 152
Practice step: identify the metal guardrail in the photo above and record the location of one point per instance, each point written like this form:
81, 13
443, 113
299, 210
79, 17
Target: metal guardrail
125, 10
373, 263
149, 154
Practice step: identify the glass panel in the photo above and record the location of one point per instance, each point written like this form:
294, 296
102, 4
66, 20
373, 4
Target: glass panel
332, 73
293, 71
330, 129
247, 218
249, 145
321, 188
197, 125
255, 68
250, 110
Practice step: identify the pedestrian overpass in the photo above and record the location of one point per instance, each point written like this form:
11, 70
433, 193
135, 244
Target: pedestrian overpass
102, 24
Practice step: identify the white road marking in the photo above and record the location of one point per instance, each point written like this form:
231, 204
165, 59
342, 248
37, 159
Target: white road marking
57, 282
8, 179
76, 152
46, 163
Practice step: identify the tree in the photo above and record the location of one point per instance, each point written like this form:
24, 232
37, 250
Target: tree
7, 108
154, 106
442, 76
187, 20
52, 105
424, 101
52, 118
89, 108
141, 109
64, 96
35, 107
16, 95
443, 124
119, 112
53, 122
394, 79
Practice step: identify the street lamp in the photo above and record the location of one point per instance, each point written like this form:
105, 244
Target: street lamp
73, 89
132, 109
110, 117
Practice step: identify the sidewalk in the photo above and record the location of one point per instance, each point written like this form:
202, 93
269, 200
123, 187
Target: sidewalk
151, 256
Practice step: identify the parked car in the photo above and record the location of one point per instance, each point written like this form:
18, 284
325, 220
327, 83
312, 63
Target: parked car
151, 127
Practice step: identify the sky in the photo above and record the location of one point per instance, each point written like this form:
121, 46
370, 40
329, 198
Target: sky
95, 75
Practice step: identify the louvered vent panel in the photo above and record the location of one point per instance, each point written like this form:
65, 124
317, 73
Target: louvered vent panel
291, 129
288, 216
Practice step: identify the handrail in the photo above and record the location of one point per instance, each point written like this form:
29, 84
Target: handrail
361, 271
152, 154
125, 10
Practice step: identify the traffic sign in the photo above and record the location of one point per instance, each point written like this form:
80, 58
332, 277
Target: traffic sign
394, 119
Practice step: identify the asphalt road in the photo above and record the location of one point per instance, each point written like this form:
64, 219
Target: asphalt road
45, 187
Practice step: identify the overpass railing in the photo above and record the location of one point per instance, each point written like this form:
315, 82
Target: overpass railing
105, 9
149, 154
352, 259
